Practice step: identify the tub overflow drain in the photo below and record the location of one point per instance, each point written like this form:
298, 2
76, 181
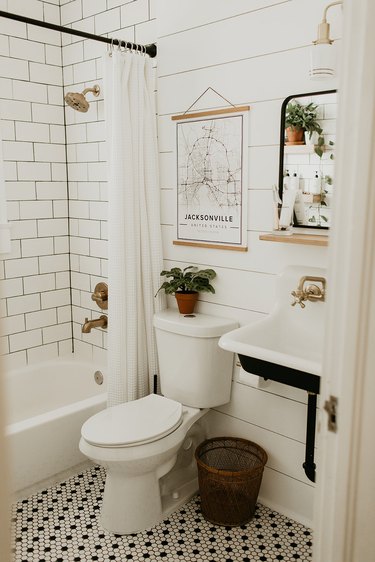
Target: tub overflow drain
98, 376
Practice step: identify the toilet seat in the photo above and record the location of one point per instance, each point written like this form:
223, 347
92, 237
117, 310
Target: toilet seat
133, 423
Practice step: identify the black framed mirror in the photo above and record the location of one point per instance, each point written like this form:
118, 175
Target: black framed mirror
306, 168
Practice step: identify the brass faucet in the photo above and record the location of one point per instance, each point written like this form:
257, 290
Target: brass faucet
310, 292
101, 322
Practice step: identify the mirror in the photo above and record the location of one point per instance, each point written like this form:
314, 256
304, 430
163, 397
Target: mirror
307, 145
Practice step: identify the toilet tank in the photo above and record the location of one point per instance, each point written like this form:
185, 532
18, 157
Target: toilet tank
194, 370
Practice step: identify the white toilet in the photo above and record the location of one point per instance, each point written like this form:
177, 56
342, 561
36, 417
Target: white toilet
147, 446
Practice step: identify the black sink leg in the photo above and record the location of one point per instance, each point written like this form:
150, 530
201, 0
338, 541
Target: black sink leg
309, 465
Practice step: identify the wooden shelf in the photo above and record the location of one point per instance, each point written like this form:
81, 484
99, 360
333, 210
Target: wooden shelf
305, 148
295, 238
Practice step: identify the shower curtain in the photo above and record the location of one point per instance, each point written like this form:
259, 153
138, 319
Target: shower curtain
135, 248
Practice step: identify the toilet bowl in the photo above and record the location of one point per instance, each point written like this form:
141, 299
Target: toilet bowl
147, 445
137, 443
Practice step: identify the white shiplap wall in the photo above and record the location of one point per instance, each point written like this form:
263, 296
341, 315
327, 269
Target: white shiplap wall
252, 52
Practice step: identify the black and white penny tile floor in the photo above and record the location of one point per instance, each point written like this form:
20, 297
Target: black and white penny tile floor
61, 524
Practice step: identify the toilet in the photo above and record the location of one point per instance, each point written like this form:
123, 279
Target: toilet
147, 445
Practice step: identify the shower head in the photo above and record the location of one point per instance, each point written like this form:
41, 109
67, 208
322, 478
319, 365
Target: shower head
78, 101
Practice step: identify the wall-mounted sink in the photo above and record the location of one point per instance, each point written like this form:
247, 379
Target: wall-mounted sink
289, 341
287, 346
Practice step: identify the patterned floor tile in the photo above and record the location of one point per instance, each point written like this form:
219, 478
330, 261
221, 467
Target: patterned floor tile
61, 524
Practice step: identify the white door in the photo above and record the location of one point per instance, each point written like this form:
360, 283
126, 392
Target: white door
344, 518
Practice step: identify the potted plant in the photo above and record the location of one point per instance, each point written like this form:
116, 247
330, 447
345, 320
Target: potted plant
301, 119
185, 284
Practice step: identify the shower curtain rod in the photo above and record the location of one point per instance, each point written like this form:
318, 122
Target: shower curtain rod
150, 49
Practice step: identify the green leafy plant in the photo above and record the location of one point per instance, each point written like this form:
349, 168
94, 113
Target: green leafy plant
188, 280
304, 117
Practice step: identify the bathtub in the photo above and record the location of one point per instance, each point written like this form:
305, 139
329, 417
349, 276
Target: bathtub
46, 407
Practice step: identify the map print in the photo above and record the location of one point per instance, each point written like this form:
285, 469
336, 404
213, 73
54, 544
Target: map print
209, 160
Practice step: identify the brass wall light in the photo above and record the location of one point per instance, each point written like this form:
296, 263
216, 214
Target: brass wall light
322, 55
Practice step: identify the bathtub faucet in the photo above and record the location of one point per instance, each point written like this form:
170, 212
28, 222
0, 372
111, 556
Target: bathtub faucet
101, 322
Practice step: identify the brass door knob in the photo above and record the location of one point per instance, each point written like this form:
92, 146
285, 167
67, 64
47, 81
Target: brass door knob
100, 295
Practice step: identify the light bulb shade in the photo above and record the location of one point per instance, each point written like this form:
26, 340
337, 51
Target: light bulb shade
322, 61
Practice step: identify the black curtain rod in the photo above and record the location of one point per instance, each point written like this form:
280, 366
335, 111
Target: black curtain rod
150, 49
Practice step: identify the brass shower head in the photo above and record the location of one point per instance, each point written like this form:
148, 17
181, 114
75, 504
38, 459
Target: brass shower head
78, 101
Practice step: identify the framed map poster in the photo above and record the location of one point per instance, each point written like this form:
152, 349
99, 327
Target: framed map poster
212, 173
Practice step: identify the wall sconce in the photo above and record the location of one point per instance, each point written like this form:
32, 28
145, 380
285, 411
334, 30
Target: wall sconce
322, 53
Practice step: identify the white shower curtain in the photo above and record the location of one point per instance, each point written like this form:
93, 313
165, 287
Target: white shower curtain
135, 249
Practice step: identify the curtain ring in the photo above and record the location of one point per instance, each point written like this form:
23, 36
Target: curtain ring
110, 47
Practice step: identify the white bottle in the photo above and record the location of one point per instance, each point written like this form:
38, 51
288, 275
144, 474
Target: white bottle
286, 215
294, 182
286, 180
316, 185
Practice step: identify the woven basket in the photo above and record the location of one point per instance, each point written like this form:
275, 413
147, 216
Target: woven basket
230, 471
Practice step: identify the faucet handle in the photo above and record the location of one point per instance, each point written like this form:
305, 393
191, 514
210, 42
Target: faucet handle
298, 299
100, 295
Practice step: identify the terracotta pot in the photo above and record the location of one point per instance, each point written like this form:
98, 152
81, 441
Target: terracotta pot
295, 136
186, 302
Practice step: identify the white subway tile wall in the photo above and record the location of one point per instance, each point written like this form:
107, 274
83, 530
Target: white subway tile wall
32, 127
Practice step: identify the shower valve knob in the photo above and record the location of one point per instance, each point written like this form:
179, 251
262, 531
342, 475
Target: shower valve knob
100, 295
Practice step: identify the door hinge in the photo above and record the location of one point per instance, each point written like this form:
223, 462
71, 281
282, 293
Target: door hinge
330, 407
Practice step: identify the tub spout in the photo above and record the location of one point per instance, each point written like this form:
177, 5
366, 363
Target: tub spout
101, 322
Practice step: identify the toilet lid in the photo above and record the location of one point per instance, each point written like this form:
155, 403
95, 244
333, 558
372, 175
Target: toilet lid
133, 423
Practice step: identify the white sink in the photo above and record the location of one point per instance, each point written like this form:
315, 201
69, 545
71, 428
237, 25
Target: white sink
290, 336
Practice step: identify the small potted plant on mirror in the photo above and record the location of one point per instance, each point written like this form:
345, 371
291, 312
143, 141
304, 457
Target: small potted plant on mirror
301, 119
185, 284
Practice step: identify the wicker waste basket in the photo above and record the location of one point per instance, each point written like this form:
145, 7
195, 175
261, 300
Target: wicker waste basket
230, 472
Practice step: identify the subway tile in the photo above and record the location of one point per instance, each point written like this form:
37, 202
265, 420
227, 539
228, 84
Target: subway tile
53, 55
34, 171
98, 210
14, 68
30, 9
25, 340
37, 247
55, 95
12, 324
51, 190
96, 131
48, 36
62, 279
49, 152
64, 314
134, 12
97, 171
21, 267
45, 352
13, 210
10, 171
41, 318
24, 229
53, 227
14, 361
58, 171
57, 134
4, 48
108, 21
80, 281
18, 151
57, 333
36, 132
88, 191
39, 283
27, 50
52, 13
72, 54
76, 133
93, 7
7, 129
79, 209
88, 152
84, 72
4, 346
45, 73
15, 110
11, 288
23, 304
29, 91
61, 245
59, 297
99, 248
20, 190
89, 265
32, 209
77, 172
49, 264
13, 28
65, 348
43, 113
60, 209
71, 12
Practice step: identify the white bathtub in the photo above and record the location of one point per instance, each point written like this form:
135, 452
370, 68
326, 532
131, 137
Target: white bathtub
47, 405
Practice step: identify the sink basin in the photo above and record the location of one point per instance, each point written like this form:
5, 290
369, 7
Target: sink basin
287, 345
